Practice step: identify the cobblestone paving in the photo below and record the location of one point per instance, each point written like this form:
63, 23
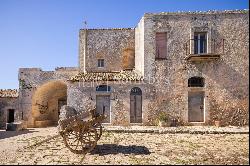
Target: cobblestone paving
137, 148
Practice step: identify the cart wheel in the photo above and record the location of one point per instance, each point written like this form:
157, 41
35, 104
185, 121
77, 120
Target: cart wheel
79, 139
98, 128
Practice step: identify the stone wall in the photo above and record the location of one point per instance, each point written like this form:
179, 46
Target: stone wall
165, 85
31, 79
139, 46
226, 79
82, 96
107, 44
7, 103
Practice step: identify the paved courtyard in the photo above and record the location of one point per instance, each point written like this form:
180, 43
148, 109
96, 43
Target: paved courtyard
126, 148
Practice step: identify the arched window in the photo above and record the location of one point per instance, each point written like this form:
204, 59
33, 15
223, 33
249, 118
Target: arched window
103, 88
196, 82
136, 91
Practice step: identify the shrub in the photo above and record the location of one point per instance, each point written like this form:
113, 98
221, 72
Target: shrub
163, 116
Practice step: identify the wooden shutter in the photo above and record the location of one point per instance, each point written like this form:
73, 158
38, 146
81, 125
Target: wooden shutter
99, 105
106, 107
161, 45
132, 109
138, 108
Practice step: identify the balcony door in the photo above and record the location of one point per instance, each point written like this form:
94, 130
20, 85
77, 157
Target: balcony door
200, 42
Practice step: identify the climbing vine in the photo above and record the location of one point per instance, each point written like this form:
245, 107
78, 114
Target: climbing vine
24, 85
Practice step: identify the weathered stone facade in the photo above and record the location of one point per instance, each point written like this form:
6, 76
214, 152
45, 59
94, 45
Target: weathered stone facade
8, 101
162, 85
82, 97
39, 93
107, 44
226, 79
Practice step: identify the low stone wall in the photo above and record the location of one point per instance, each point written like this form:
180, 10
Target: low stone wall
16, 126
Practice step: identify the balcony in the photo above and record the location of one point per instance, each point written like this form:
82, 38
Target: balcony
198, 50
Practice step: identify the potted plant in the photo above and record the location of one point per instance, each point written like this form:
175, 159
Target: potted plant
163, 119
174, 122
217, 121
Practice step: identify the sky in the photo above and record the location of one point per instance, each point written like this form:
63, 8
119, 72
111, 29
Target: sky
44, 33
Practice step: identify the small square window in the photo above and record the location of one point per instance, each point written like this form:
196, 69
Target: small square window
100, 63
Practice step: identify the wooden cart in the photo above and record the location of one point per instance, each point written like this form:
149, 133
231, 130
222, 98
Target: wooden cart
81, 132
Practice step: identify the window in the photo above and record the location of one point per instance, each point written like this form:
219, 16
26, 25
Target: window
200, 42
161, 45
100, 63
135, 91
103, 88
196, 82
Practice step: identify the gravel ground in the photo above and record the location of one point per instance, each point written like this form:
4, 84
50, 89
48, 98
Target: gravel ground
126, 148
180, 129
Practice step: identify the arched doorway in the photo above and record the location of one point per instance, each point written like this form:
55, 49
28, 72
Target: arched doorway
135, 105
47, 101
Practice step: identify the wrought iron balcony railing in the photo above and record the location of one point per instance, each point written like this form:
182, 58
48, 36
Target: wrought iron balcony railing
203, 49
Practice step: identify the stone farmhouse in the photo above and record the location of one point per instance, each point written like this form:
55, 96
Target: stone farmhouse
194, 66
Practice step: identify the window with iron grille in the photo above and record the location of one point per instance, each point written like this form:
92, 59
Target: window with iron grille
196, 82
200, 42
103, 88
100, 62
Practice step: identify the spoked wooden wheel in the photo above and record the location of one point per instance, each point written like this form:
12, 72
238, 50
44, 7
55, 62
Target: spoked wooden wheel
80, 139
98, 128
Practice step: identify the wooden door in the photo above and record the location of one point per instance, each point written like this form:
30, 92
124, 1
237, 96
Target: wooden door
103, 107
196, 106
136, 106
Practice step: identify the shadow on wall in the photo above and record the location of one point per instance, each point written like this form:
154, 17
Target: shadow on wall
7, 134
234, 82
232, 109
107, 149
46, 103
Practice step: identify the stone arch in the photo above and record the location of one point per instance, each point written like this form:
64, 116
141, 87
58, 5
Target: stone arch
136, 91
46, 103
